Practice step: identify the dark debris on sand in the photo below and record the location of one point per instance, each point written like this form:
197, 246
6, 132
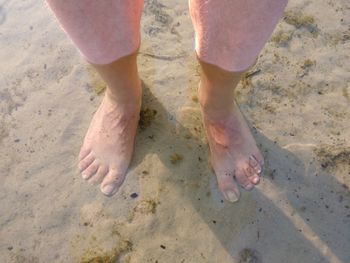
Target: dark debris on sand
248, 255
112, 256
176, 158
330, 156
147, 115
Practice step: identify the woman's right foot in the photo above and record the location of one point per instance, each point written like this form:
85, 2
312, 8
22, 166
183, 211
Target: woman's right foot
109, 143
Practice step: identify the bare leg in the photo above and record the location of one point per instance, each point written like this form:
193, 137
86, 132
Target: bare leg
107, 34
229, 36
234, 154
108, 145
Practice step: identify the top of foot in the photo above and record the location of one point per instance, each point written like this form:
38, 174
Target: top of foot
108, 145
235, 157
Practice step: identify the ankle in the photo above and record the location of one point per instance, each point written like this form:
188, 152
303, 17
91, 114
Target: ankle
130, 102
216, 102
216, 89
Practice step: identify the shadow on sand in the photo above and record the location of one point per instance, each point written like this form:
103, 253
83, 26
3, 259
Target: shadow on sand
299, 212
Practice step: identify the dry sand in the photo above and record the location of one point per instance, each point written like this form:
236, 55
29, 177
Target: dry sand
297, 103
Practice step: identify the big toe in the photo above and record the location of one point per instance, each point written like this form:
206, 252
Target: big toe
228, 187
112, 182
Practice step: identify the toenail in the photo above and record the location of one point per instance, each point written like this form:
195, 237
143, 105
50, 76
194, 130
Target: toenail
108, 189
261, 170
85, 176
253, 162
249, 187
256, 180
231, 196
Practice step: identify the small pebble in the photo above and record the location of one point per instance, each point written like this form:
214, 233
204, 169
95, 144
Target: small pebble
134, 195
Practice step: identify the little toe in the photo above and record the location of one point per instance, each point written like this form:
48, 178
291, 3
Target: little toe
91, 170
228, 187
84, 163
99, 175
111, 183
84, 152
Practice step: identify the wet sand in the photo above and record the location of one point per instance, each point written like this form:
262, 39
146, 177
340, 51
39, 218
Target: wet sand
296, 99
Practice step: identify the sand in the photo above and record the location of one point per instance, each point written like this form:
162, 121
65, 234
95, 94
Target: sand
296, 99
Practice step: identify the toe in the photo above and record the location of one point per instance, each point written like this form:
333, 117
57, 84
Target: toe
111, 183
255, 179
99, 175
243, 180
228, 187
84, 163
91, 170
256, 163
252, 176
84, 152
254, 171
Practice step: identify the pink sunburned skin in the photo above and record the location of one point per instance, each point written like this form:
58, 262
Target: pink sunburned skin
228, 33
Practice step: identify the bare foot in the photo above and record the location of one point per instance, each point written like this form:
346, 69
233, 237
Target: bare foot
234, 154
109, 143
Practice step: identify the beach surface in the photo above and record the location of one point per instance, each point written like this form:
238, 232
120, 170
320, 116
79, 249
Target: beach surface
296, 100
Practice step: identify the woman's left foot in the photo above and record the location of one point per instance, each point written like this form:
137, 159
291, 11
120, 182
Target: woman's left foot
234, 155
